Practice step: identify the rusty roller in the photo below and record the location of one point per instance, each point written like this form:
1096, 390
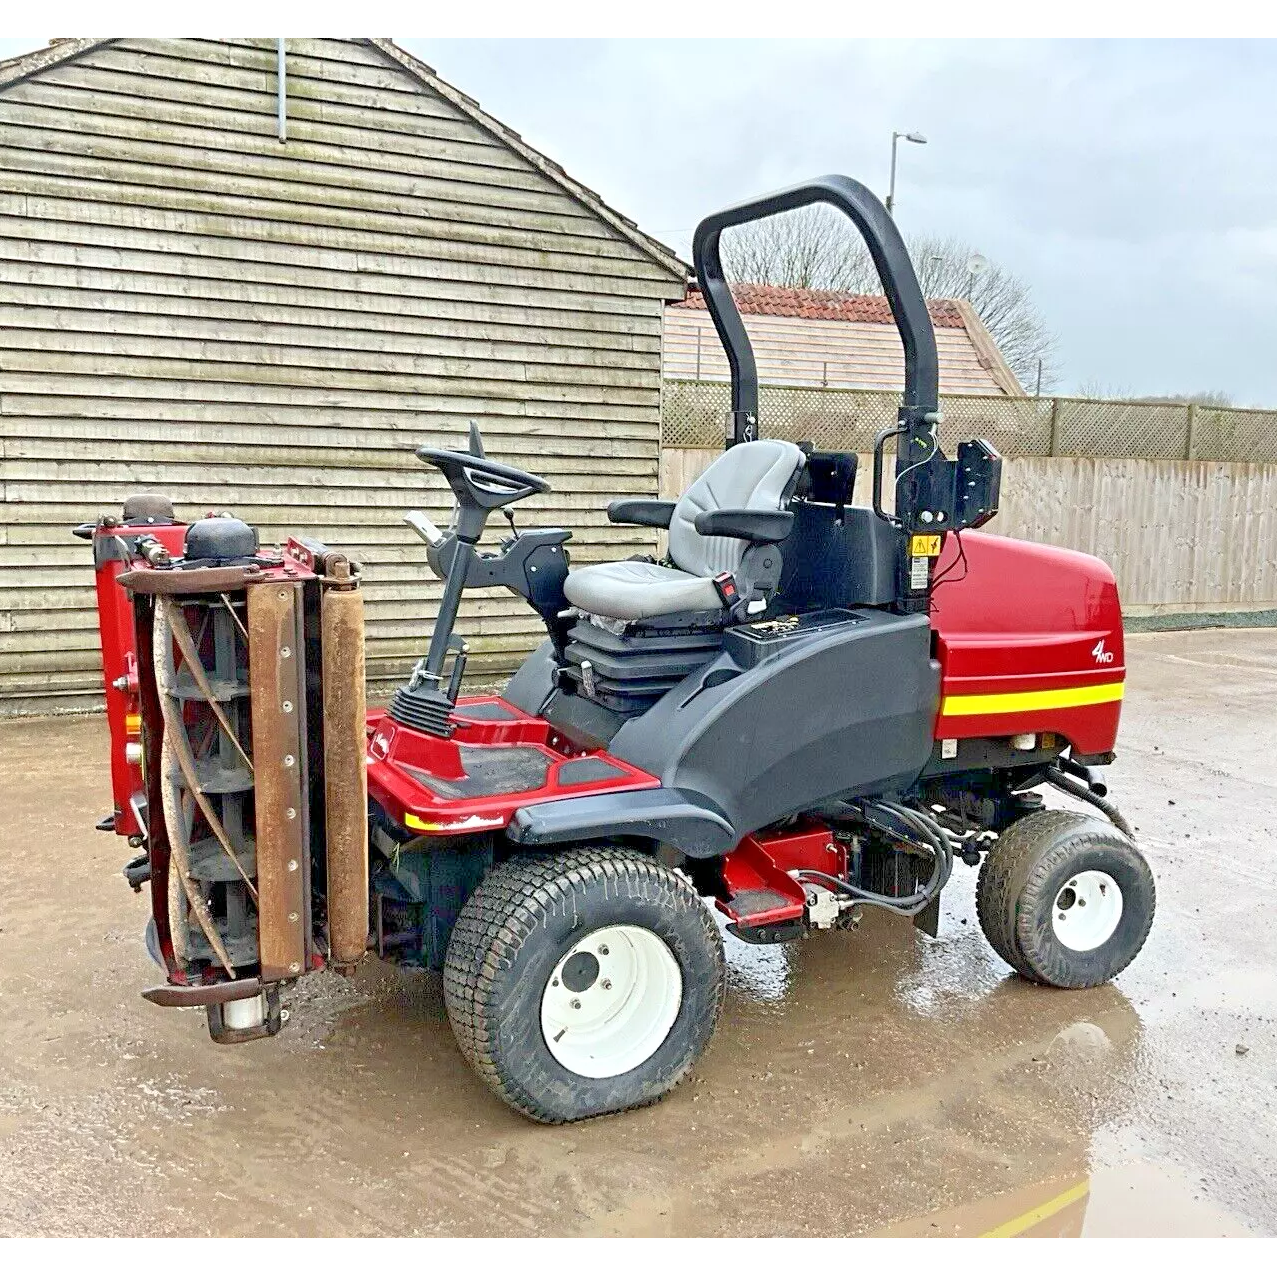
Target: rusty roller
345, 779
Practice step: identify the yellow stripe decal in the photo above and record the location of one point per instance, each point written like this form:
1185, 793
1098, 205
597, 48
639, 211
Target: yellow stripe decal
1018, 702
1022, 1223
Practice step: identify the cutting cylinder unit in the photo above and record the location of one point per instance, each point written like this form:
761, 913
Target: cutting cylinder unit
241, 741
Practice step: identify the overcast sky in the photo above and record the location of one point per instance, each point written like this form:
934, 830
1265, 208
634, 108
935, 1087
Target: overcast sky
1133, 185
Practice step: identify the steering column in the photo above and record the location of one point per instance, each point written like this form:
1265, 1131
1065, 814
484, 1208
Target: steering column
479, 487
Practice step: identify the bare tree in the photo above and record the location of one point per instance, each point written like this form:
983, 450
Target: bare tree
1202, 398
816, 248
811, 247
1096, 389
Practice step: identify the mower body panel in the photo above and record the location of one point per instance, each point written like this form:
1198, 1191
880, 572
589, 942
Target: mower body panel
784, 719
788, 715
1029, 641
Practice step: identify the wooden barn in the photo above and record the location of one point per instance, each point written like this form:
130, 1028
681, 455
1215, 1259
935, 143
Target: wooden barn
255, 279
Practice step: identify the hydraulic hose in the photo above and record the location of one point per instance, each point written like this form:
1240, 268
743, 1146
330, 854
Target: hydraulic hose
936, 838
942, 855
1080, 790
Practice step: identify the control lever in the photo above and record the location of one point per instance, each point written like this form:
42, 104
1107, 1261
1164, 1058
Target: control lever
424, 528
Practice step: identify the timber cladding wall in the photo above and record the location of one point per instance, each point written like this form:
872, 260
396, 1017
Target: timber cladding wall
190, 306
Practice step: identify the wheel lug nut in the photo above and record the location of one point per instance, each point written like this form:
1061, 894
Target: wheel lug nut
576, 1004
603, 951
607, 984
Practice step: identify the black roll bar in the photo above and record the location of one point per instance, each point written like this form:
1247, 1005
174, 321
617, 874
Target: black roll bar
895, 270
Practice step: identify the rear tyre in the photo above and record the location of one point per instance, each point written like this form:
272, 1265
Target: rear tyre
583, 983
1065, 899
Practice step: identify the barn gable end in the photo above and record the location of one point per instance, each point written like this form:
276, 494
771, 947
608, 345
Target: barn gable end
191, 306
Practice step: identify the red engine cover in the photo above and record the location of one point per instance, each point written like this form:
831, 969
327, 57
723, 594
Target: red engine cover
1029, 640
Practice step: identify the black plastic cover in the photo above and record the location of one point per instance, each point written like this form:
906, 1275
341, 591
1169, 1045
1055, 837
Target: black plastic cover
663, 815
833, 562
845, 712
220, 537
757, 641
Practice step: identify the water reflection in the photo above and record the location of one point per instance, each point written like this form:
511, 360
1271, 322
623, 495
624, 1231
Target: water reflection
757, 973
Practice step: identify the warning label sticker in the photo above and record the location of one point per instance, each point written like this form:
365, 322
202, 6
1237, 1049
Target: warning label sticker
918, 572
927, 546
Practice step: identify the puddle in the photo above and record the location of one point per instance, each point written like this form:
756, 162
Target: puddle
1133, 1199
1141, 1199
759, 973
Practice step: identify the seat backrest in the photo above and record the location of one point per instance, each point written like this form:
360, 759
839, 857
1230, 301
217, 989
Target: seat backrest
751, 476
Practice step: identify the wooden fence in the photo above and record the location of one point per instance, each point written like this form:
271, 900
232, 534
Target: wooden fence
1183, 537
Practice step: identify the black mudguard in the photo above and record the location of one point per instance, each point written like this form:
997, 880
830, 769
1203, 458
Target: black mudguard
663, 815
769, 728
846, 712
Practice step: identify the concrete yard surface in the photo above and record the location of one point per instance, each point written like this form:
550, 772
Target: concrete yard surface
868, 1082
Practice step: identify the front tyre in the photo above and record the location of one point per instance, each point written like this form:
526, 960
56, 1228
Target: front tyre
1065, 899
583, 983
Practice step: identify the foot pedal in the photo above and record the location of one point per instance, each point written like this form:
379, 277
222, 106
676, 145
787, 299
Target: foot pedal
425, 708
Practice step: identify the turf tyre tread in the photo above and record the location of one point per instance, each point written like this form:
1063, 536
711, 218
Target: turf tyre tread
517, 903
1020, 878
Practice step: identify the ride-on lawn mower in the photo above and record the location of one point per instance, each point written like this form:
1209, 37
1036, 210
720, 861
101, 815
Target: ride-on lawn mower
806, 708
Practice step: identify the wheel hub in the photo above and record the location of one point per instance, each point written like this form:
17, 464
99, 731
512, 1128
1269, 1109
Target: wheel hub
580, 971
1087, 911
611, 1001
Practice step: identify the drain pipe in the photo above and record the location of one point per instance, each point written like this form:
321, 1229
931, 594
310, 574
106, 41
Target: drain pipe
281, 75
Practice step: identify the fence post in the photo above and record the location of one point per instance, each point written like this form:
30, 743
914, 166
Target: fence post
1055, 427
1190, 448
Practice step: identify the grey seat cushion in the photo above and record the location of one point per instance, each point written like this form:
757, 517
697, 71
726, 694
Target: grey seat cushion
751, 476
633, 591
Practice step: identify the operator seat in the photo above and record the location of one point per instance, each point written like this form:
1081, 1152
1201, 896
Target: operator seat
744, 494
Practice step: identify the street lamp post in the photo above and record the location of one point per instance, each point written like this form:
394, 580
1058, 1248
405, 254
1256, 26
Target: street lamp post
895, 139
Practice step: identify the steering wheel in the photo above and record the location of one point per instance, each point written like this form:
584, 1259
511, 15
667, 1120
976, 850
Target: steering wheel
478, 481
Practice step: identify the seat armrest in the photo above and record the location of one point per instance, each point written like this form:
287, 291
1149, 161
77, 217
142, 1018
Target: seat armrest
746, 525
647, 514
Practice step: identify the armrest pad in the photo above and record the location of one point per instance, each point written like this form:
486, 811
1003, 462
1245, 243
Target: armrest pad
647, 514
746, 525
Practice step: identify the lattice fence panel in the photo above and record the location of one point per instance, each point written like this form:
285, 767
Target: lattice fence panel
694, 415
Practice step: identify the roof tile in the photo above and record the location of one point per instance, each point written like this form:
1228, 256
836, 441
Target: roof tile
811, 303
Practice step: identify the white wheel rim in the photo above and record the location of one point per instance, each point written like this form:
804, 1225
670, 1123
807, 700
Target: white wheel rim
611, 1001
1086, 911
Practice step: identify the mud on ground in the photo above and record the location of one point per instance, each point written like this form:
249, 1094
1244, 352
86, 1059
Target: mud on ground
877, 1081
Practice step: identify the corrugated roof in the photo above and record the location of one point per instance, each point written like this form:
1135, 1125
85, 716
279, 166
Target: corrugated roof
813, 303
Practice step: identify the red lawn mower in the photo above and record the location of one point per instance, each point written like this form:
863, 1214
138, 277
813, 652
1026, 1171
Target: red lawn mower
805, 709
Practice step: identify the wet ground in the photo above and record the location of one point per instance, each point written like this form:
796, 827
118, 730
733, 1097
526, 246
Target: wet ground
876, 1081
